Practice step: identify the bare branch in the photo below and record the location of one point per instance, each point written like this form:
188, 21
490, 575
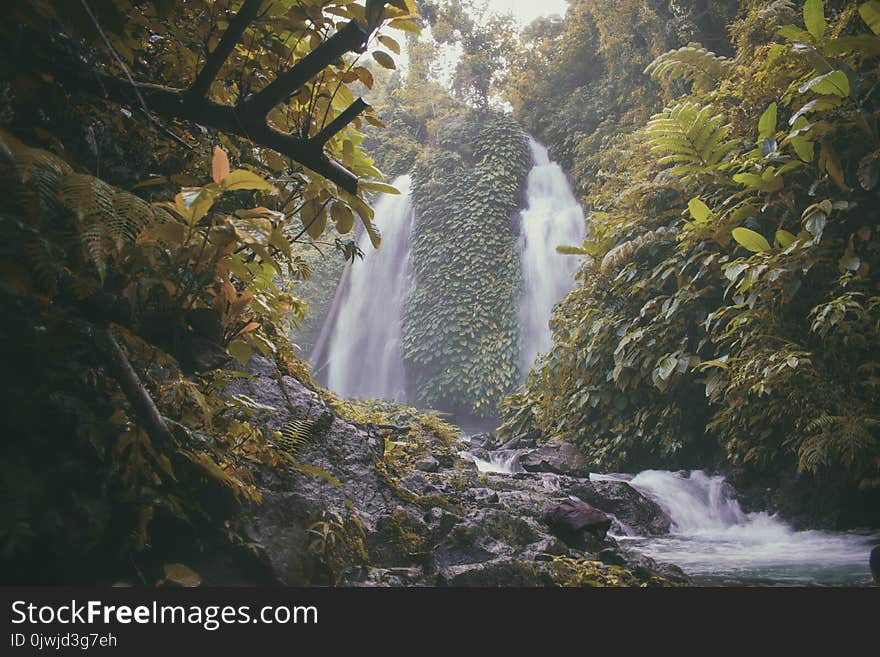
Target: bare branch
148, 416
245, 16
351, 38
338, 124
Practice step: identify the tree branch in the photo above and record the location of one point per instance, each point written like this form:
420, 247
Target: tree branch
245, 16
148, 416
351, 38
338, 124
172, 104
248, 119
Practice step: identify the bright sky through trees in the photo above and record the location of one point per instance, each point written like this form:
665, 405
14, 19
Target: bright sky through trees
525, 11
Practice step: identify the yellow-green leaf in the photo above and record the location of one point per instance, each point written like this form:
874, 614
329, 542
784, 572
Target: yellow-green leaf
279, 241
870, 13
754, 242
834, 83
390, 43
814, 18
767, 122
378, 187
240, 350
193, 204
342, 217
384, 59
785, 238
405, 25
181, 575
373, 232
243, 179
699, 210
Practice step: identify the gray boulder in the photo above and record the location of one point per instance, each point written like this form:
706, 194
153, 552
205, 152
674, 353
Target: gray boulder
577, 523
636, 514
556, 457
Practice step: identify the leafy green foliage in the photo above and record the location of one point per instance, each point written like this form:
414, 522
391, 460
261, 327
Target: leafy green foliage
583, 572
185, 245
750, 338
460, 324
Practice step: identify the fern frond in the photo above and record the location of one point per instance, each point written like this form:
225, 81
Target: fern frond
847, 438
49, 193
131, 214
692, 137
692, 63
34, 180
294, 435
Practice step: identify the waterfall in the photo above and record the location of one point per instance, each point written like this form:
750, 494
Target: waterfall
713, 537
552, 218
501, 461
358, 352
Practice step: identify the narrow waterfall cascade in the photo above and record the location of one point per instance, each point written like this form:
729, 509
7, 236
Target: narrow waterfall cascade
713, 537
552, 217
502, 461
358, 352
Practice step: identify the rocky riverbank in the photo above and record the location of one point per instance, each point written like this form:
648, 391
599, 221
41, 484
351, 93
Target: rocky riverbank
406, 505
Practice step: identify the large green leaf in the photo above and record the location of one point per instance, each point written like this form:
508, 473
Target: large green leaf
814, 18
243, 179
699, 210
767, 122
870, 13
834, 83
754, 242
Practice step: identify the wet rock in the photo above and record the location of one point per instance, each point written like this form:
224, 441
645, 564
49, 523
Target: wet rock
500, 572
428, 464
612, 557
645, 568
527, 440
637, 515
557, 457
571, 517
483, 440
386, 577
481, 496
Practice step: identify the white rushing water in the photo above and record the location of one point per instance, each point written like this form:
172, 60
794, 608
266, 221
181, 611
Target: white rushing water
502, 461
552, 218
713, 537
358, 353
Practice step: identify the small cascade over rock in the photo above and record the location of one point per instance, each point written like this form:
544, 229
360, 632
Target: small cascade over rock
711, 536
